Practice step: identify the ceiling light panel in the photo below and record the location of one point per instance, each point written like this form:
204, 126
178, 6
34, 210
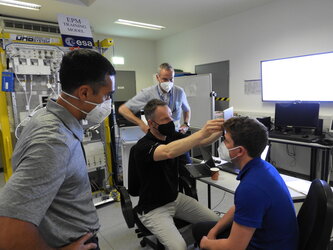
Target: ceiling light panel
139, 25
19, 4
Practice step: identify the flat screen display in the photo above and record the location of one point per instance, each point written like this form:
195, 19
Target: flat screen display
301, 78
122, 121
296, 115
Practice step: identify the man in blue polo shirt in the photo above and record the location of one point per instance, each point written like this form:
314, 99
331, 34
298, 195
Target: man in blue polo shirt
263, 215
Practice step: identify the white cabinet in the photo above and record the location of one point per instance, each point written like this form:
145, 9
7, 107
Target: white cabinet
129, 136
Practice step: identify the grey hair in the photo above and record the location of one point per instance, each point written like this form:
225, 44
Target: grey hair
165, 66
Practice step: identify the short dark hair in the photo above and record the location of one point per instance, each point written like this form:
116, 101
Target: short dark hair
151, 106
84, 66
249, 133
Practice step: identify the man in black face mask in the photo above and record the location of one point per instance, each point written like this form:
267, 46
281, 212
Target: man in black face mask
157, 158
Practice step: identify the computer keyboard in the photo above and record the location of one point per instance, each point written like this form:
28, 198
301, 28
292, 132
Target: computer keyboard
294, 137
229, 167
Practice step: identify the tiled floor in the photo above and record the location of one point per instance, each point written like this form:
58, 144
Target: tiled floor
114, 234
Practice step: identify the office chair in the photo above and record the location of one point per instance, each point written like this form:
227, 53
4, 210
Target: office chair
315, 218
130, 212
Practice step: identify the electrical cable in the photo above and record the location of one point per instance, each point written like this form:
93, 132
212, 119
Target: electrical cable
24, 87
292, 154
95, 185
29, 100
26, 118
16, 129
35, 109
111, 174
219, 204
50, 87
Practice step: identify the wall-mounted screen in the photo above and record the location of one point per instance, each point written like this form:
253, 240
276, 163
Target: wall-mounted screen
296, 115
301, 78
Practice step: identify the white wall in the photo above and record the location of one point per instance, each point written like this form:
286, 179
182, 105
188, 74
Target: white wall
139, 54
278, 29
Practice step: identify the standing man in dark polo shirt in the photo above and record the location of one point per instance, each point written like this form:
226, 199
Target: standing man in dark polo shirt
157, 155
263, 216
47, 203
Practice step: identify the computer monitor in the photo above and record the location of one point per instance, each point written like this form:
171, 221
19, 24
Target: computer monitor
121, 121
296, 115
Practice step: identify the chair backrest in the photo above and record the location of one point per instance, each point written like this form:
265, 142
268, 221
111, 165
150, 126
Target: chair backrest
315, 218
187, 186
126, 206
130, 213
133, 177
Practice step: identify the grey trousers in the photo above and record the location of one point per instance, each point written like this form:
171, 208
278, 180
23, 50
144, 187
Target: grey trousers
160, 220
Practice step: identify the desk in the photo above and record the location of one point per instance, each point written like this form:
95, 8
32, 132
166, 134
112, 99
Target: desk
325, 156
227, 182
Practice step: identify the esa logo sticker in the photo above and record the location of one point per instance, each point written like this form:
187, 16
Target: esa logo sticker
77, 41
69, 41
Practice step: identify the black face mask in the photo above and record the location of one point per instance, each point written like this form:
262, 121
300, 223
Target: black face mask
167, 129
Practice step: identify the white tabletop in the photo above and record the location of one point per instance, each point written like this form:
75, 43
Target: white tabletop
300, 143
297, 187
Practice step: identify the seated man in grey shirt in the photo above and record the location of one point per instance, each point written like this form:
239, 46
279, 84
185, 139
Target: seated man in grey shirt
165, 91
47, 202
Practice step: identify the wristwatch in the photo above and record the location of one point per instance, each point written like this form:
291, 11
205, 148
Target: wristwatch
187, 124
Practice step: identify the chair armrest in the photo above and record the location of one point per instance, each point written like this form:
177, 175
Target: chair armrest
126, 206
188, 188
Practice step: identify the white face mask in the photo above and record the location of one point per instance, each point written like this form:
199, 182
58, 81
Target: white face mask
166, 86
97, 114
224, 152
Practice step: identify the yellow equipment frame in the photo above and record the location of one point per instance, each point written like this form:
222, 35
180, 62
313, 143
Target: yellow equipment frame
6, 145
5, 135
